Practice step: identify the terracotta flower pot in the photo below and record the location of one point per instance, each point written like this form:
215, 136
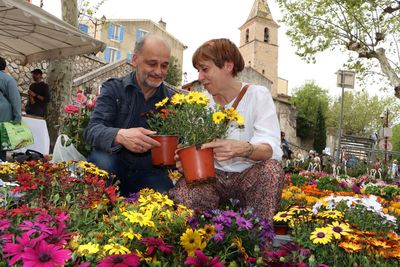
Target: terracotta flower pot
198, 164
164, 155
281, 229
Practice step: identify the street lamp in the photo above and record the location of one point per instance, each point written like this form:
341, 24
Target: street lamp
345, 79
386, 133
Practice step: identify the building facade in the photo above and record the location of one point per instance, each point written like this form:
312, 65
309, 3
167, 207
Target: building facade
121, 35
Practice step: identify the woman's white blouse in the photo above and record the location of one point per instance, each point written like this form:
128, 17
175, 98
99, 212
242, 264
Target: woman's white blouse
261, 126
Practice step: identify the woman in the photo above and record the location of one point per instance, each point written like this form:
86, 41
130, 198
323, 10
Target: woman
247, 162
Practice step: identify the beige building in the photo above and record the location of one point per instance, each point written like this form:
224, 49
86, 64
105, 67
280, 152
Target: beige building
259, 45
120, 35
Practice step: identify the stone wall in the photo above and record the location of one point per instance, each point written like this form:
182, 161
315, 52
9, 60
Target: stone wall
82, 66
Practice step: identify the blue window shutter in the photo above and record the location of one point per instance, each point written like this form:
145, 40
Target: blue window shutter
138, 35
110, 31
107, 54
118, 55
121, 33
83, 28
129, 56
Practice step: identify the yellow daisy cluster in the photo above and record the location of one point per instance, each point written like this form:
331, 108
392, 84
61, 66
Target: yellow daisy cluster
177, 99
88, 167
7, 168
196, 98
162, 102
192, 240
227, 115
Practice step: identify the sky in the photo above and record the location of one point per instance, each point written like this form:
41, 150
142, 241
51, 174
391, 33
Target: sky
194, 22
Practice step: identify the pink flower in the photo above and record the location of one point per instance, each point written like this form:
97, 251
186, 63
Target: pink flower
127, 260
91, 103
15, 251
201, 260
71, 109
4, 224
45, 255
80, 98
34, 227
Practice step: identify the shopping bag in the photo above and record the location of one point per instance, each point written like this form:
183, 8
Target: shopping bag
64, 150
15, 135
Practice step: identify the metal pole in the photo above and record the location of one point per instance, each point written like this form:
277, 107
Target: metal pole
340, 118
386, 138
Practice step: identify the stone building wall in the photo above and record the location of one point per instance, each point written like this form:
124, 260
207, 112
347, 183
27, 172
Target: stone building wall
82, 66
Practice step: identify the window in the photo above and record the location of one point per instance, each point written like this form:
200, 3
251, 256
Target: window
116, 32
83, 28
111, 54
263, 71
247, 35
140, 34
266, 35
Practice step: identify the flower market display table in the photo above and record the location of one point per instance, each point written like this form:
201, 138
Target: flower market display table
40, 134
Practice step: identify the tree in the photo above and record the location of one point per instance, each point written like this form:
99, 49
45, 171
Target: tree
307, 99
361, 113
367, 28
320, 131
396, 138
174, 76
59, 76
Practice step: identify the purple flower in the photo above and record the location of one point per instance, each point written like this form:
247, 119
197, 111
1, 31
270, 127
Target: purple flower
243, 223
43, 218
34, 227
133, 197
229, 213
201, 260
222, 219
127, 260
58, 236
4, 224
45, 255
193, 222
219, 236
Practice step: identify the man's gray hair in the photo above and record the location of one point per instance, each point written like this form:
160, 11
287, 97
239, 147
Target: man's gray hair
139, 45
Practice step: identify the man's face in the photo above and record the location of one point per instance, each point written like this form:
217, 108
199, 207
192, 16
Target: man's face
151, 64
36, 76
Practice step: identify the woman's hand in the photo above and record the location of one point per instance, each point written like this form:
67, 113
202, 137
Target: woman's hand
225, 149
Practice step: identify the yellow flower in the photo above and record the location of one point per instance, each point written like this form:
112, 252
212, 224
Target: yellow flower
231, 114
238, 243
331, 214
339, 229
350, 247
115, 248
191, 240
177, 99
174, 175
131, 234
162, 102
218, 117
239, 119
209, 231
87, 249
321, 235
283, 216
139, 218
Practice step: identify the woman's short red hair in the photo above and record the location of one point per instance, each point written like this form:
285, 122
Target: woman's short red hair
219, 51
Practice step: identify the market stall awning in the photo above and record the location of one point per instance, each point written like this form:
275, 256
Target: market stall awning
32, 34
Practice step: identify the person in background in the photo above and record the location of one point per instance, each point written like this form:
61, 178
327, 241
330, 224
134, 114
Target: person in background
39, 95
247, 162
287, 153
118, 132
325, 161
10, 100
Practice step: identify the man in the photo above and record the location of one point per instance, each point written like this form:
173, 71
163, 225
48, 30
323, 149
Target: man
287, 153
10, 99
39, 95
117, 131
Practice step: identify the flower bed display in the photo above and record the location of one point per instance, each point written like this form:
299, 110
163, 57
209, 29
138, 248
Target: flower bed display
64, 215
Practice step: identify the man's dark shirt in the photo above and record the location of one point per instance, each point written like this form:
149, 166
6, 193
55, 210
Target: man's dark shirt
121, 104
39, 107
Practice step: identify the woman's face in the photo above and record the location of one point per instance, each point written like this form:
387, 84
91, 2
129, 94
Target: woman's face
212, 77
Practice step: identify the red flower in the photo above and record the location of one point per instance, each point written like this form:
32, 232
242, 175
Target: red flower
45, 255
71, 109
156, 244
91, 103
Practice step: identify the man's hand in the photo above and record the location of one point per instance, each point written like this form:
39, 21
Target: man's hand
31, 93
136, 140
